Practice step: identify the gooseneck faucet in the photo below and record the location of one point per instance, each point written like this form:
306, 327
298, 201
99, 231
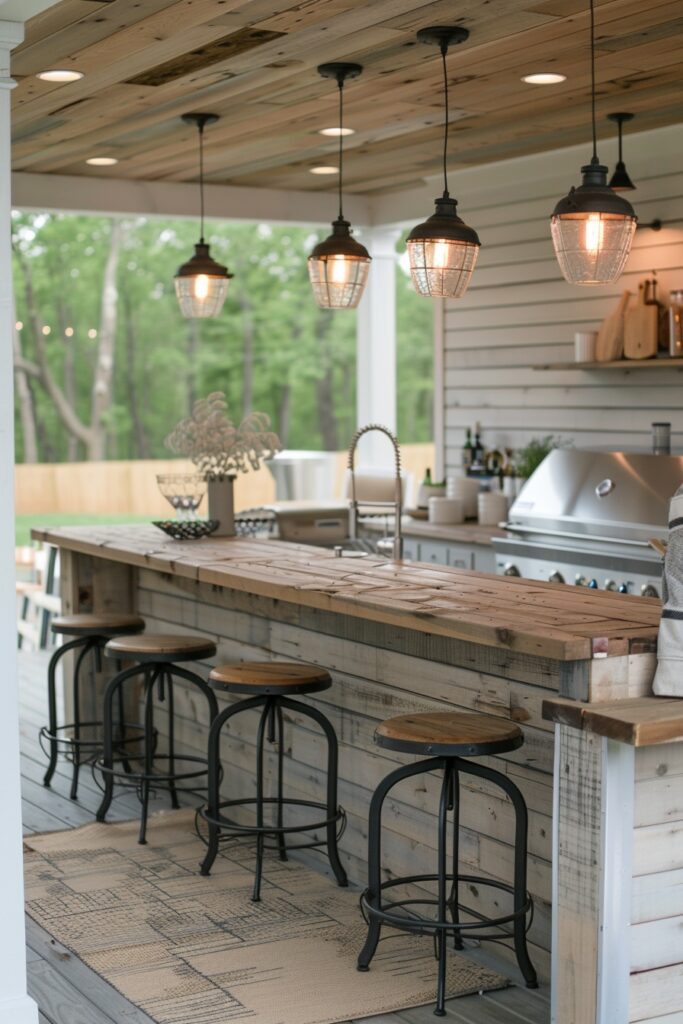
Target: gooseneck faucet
397, 503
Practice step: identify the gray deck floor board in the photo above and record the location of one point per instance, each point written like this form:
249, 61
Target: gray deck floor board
69, 992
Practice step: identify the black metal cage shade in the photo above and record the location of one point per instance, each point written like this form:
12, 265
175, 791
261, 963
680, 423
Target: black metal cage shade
338, 268
594, 195
201, 284
443, 252
592, 230
203, 263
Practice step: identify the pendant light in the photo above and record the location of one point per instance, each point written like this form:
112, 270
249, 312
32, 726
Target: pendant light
443, 251
620, 180
338, 266
593, 227
201, 284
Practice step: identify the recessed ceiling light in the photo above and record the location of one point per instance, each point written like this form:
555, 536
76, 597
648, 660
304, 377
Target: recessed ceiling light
102, 161
324, 169
60, 75
336, 132
544, 78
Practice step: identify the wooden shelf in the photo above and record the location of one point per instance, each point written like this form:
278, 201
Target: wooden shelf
619, 364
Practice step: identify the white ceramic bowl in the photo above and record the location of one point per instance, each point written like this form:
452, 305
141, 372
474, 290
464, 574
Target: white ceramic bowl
466, 488
446, 511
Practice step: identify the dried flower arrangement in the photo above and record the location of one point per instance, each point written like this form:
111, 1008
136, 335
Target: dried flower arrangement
216, 446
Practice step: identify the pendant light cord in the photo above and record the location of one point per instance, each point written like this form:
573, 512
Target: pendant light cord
444, 51
340, 83
595, 137
201, 180
621, 125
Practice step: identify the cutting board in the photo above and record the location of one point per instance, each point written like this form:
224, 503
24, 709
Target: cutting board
640, 327
610, 341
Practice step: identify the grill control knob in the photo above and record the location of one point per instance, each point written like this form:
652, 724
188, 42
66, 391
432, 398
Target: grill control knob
511, 570
610, 585
556, 577
648, 590
593, 585
580, 580
623, 588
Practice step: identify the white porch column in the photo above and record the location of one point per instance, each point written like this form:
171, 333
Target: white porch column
15, 1005
376, 345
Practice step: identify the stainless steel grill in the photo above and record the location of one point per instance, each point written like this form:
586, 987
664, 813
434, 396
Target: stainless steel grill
588, 518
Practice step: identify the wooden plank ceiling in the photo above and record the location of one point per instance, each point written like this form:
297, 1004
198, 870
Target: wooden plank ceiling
253, 62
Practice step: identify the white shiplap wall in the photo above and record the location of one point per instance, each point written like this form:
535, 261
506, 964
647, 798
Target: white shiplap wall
519, 311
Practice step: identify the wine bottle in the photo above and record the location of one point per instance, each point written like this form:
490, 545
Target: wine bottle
467, 452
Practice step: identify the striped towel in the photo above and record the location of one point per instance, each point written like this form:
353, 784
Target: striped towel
669, 675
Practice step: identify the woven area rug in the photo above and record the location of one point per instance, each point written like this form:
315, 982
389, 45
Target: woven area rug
193, 950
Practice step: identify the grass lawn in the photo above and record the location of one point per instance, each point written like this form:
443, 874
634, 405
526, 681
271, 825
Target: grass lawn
24, 524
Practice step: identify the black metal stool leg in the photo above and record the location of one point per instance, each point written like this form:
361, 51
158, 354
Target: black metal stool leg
214, 774
175, 803
520, 890
373, 893
332, 763
52, 713
76, 690
151, 677
260, 838
454, 897
441, 935
53, 724
121, 729
282, 846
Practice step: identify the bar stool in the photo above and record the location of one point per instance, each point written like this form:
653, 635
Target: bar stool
91, 633
451, 737
157, 656
270, 684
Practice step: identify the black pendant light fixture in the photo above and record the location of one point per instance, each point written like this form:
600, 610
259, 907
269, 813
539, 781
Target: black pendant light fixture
593, 227
201, 284
620, 180
338, 266
443, 250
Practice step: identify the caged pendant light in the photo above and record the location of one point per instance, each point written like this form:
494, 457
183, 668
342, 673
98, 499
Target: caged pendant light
620, 180
201, 284
592, 227
338, 266
443, 250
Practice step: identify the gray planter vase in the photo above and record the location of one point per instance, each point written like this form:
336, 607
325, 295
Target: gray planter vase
222, 505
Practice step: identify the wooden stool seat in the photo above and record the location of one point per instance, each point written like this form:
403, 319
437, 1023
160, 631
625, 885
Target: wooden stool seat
449, 733
269, 677
161, 647
94, 624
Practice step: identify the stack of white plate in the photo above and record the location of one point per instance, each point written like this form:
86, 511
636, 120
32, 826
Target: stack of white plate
467, 489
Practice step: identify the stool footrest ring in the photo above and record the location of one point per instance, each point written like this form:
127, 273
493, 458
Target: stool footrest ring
225, 825
373, 906
174, 776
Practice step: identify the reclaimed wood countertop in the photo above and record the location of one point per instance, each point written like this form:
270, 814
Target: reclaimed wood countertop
543, 619
640, 721
462, 533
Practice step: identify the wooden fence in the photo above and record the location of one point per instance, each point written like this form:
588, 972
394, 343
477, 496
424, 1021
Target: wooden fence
130, 488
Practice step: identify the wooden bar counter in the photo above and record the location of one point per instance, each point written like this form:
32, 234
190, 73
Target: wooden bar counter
397, 638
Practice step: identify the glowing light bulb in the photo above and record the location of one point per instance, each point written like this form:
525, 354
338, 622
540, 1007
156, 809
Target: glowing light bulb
46, 330
595, 233
441, 255
340, 270
201, 286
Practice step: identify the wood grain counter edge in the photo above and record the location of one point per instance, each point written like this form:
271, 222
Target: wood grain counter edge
453, 603
640, 721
